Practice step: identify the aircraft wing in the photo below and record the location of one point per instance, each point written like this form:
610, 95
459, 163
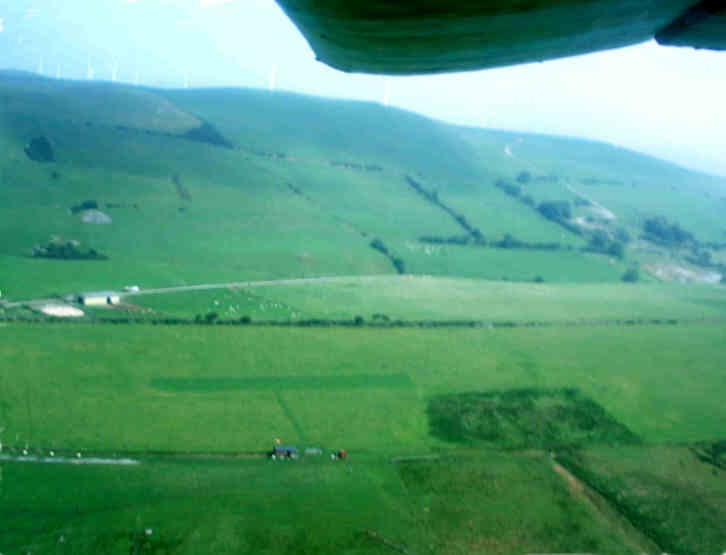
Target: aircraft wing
404, 37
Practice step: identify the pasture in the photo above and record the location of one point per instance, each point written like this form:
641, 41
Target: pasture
198, 405
220, 389
442, 298
455, 435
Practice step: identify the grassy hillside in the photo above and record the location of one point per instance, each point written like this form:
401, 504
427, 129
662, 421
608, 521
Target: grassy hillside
224, 185
585, 436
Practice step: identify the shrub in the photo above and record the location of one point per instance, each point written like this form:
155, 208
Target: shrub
40, 150
663, 231
581, 201
379, 246
528, 200
207, 133
85, 205
616, 249
555, 210
399, 264
599, 239
524, 177
358, 320
509, 242
622, 235
631, 275
478, 235
509, 188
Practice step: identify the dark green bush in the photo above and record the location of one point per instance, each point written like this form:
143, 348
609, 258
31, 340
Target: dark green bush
524, 177
40, 150
631, 275
661, 230
555, 210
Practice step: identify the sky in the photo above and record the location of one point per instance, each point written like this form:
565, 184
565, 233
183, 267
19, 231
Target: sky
663, 101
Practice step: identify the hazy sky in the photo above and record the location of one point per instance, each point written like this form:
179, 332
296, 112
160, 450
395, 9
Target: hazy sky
665, 101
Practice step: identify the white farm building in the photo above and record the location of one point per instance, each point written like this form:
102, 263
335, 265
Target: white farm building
99, 298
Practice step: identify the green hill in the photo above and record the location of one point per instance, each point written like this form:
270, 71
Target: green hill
231, 184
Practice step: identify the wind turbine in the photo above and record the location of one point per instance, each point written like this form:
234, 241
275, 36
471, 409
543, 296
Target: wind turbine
89, 71
273, 75
186, 80
57, 71
114, 71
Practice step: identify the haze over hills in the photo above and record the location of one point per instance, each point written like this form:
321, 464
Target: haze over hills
217, 185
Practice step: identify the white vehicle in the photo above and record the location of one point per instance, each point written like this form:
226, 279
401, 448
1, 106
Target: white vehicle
132, 288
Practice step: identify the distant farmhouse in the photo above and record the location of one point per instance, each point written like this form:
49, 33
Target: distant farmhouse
99, 298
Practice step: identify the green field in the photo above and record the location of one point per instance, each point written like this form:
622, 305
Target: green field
305, 188
79, 381
131, 390
677, 499
600, 430
451, 505
386, 298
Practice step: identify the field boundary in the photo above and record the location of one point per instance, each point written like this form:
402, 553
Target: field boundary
358, 322
291, 417
603, 510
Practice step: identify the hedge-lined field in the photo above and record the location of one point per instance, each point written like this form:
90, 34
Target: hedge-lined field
386, 298
123, 387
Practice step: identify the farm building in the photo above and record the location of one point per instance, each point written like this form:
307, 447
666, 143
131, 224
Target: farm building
99, 298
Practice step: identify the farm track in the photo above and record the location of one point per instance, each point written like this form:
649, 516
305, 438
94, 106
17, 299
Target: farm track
209, 286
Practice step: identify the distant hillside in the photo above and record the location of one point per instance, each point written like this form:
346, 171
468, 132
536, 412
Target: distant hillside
233, 184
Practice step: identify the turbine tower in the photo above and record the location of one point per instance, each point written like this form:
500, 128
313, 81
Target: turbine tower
57, 71
40, 66
114, 72
89, 71
186, 80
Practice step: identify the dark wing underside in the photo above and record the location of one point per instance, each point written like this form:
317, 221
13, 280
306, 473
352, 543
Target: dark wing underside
403, 37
